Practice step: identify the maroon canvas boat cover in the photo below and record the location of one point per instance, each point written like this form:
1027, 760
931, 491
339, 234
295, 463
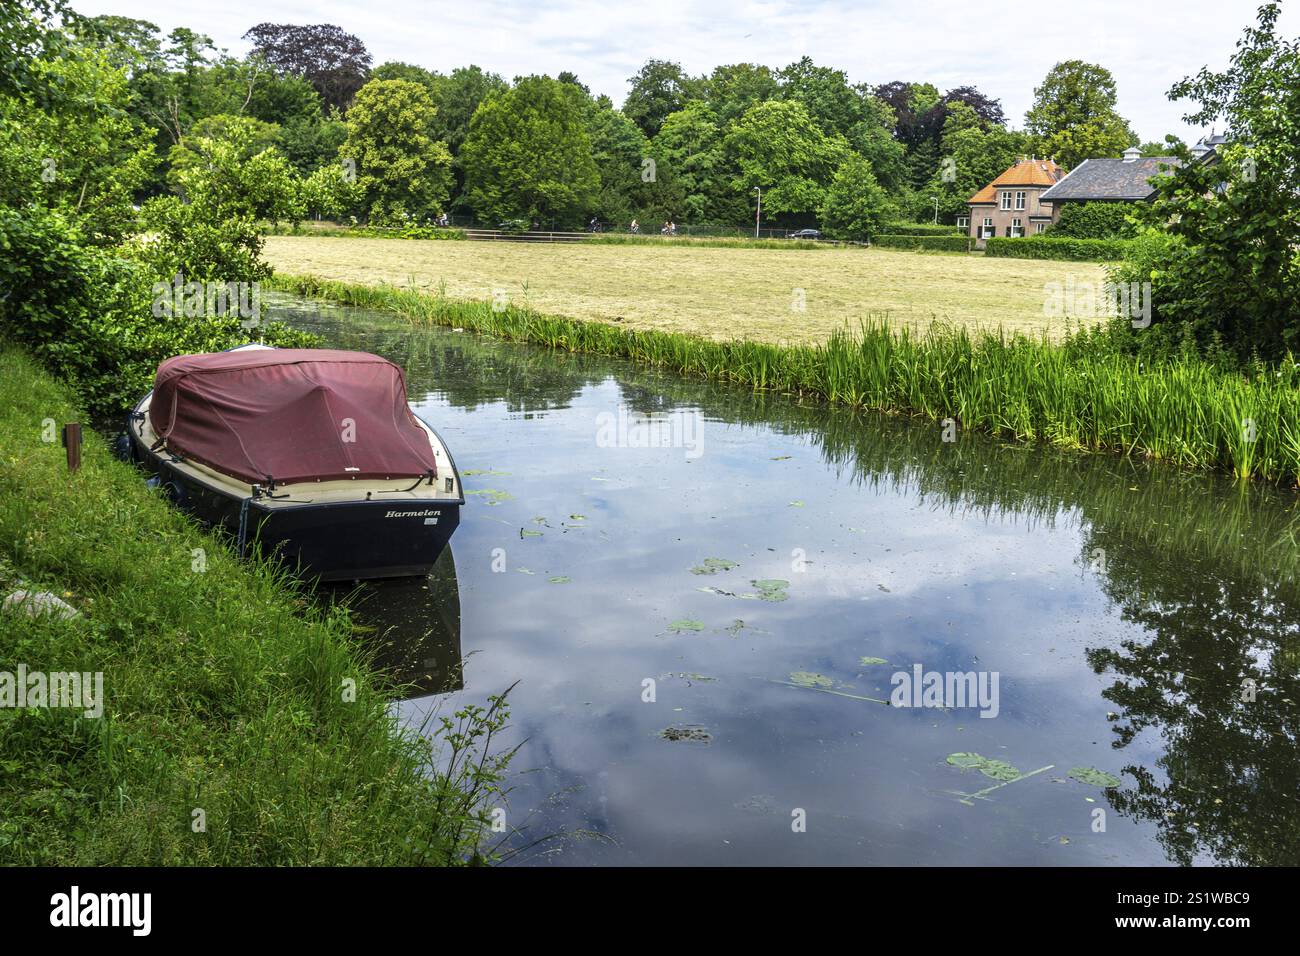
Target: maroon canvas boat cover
290, 415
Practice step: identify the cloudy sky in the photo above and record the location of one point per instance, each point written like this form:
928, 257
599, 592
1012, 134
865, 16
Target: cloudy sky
1004, 49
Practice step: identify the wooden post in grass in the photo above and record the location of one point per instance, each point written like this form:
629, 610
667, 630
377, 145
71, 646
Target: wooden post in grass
72, 442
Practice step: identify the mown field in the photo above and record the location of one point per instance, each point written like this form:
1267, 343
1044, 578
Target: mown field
718, 293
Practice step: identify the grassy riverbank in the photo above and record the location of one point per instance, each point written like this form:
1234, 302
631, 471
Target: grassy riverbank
1079, 394
227, 736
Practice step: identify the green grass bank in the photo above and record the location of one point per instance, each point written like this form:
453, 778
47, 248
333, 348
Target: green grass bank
1083, 393
241, 723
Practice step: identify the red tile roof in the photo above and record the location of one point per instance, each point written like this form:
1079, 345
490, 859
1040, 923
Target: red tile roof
1026, 172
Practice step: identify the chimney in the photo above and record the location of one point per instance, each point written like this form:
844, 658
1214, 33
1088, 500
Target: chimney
1132, 154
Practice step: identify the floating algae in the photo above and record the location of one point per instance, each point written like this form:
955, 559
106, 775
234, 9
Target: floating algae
770, 589
692, 733
997, 769
872, 661
559, 579
494, 496
684, 625
809, 679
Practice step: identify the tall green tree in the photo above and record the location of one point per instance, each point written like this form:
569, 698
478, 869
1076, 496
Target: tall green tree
694, 174
1226, 268
856, 207
659, 89
732, 89
778, 147
1074, 115
528, 156
402, 173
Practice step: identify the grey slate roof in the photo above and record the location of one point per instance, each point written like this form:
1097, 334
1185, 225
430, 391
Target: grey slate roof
1108, 179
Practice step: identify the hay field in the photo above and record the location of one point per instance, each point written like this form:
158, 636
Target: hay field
715, 292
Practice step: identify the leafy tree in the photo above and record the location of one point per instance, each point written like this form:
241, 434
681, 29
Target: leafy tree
777, 146
856, 207
528, 156
693, 173
334, 61
659, 88
872, 137
401, 172
619, 150
1073, 116
825, 93
731, 90
395, 70
911, 104
251, 136
1226, 268
210, 231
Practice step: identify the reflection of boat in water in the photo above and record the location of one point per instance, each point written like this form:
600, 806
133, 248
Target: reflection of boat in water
413, 627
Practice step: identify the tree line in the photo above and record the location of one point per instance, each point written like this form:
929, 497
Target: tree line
398, 143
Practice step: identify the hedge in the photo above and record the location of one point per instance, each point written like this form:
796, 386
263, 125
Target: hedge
1052, 247
922, 229
926, 243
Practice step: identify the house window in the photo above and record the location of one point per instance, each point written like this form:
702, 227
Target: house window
987, 229
1006, 200
1020, 200
1039, 226
963, 221
1015, 229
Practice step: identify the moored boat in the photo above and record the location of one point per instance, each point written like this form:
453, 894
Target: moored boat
310, 455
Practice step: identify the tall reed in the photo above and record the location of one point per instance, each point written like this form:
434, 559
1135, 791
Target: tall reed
1077, 394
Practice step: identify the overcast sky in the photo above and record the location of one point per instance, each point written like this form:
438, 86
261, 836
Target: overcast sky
1004, 49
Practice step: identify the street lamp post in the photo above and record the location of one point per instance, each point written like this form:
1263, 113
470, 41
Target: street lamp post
936, 209
759, 213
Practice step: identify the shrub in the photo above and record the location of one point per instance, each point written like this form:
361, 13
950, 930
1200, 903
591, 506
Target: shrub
1096, 220
924, 243
1050, 247
921, 229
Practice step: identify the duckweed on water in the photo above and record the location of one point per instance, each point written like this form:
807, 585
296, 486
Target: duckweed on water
493, 496
559, 579
688, 732
809, 679
872, 661
684, 625
770, 589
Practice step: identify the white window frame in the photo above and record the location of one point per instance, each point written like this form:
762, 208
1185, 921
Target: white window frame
1017, 229
1020, 199
1006, 199
987, 229
963, 222
1039, 226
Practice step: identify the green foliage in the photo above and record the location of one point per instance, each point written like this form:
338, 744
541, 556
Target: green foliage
528, 156
776, 146
921, 229
923, 243
1073, 116
1096, 220
856, 206
401, 172
1229, 273
659, 89
1053, 247
693, 172
972, 155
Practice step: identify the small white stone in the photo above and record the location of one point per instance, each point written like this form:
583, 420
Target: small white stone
36, 603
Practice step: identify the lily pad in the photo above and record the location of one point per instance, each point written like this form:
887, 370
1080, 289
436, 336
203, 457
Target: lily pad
796, 504
684, 625
997, 769
872, 661
809, 679
494, 496
1095, 777
486, 472
559, 579
713, 566
771, 589
524, 533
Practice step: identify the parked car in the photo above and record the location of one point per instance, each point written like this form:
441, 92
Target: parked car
805, 234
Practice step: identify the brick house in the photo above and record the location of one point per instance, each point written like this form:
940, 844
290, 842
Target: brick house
1012, 205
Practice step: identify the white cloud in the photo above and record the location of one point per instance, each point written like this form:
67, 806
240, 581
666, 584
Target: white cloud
1003, 51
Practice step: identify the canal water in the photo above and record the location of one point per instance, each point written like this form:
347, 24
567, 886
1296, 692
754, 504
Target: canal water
703, 595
